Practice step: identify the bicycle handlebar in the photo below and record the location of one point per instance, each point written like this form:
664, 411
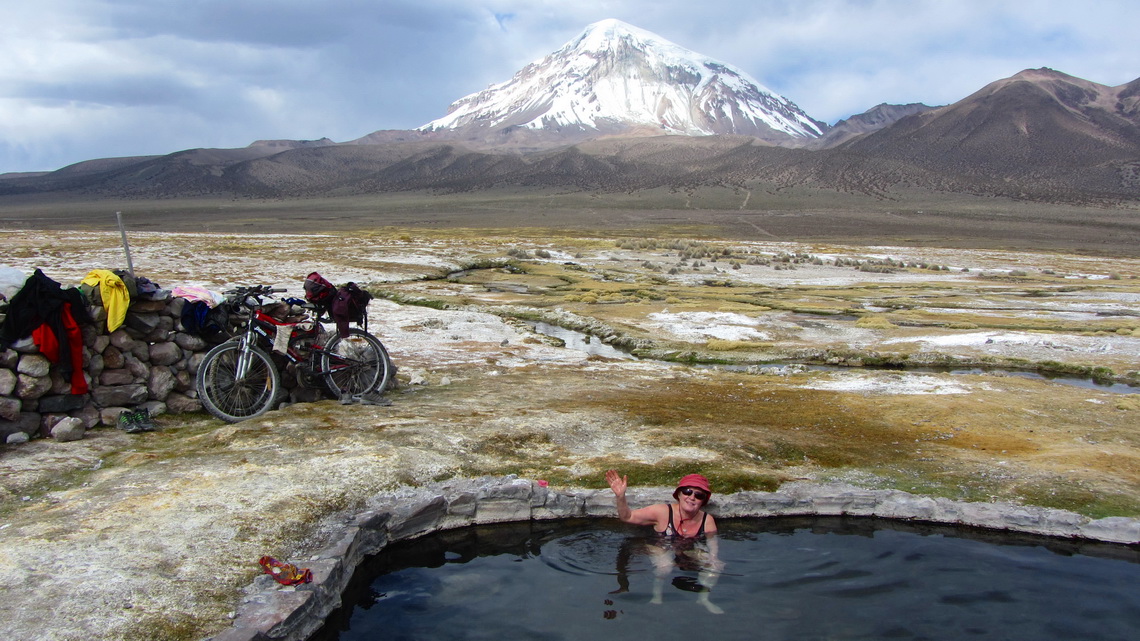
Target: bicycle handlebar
241, 295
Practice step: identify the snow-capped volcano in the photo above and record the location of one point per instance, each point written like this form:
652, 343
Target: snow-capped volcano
614, 77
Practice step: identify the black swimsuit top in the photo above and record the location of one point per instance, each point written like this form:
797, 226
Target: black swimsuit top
670, 531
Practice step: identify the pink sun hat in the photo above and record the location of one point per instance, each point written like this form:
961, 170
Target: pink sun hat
695, 481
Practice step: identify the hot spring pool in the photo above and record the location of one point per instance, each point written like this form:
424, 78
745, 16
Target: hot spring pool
786, 578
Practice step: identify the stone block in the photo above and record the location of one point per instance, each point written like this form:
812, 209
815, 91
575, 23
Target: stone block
154, 408
62, 403
68, 429
142, 306
142, 323
29, 387
110, 415
189, 342
113, 358
100, 343
34, 365
26, 422
420, 518
7, 381
165, 354
139, 368
9, 358
116, 377
122, 340
161, 382
119, 395
179, 403
17, 438
10, 408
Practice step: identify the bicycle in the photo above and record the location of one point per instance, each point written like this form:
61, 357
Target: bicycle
240, 378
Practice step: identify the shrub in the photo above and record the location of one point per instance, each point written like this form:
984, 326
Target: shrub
874, 322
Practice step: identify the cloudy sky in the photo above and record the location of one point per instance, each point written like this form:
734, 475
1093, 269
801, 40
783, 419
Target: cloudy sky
82, 79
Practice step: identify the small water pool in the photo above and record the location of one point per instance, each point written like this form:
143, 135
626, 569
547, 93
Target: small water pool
787, 578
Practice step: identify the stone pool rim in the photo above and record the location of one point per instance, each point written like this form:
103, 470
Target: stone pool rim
270, 611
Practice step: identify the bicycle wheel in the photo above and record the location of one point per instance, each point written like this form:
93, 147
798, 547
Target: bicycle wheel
230, 397
356, 364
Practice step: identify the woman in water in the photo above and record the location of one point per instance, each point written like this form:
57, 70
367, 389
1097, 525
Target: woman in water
678, 527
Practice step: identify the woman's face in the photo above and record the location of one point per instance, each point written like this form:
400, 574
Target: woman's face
691, 498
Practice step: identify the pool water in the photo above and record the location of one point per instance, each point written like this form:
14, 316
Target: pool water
786, 578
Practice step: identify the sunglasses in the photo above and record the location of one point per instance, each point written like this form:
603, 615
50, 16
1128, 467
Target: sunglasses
688, 491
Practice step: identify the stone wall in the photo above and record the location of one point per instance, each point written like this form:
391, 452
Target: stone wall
148, 362
272, 611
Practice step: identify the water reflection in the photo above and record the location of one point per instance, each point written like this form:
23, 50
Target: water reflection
804, 578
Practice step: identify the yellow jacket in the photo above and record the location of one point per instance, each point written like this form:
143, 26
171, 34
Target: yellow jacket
116, 299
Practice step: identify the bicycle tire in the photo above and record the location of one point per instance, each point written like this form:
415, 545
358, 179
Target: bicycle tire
356, 363
232, 400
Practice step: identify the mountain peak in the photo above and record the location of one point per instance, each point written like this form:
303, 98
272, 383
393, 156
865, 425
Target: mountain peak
616, 78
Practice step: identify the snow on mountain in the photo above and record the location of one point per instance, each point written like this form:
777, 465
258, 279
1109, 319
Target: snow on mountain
615, 76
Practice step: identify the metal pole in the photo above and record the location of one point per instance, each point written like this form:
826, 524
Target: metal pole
126, 245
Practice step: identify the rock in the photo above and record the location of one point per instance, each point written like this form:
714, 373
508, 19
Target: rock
179, 403
101, 342
113, 357
194, 362
34, 365
7, 381
142, 323
68, 429
96, 365
165, 353
116, 377
183, 381
62, 403
140, 307
60, 384
175, 307
122, 340
116, 395
9, 358
25, 346
17, 438
32, 387
89, 414
110, 415
138, 367
161, 381
154, 408
189, 342
10, 407
26, 422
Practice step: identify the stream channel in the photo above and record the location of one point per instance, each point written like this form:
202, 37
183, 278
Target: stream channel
573, 339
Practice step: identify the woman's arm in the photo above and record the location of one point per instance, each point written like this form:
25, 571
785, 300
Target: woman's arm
652, 515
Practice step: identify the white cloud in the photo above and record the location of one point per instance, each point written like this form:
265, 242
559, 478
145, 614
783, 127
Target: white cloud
94, 78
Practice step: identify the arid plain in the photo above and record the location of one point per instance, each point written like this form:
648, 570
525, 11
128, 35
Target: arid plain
914, 349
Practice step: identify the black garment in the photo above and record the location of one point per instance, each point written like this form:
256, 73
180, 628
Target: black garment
669, 530
40, 301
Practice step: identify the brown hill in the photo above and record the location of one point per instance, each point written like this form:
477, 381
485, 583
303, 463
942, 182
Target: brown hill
1039, 135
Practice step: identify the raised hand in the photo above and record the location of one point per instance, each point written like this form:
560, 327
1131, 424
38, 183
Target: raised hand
618, 483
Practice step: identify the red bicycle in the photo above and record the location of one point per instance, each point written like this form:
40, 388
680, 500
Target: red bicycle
240, 378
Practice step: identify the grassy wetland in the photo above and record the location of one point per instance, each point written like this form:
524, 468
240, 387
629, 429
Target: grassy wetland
980, 374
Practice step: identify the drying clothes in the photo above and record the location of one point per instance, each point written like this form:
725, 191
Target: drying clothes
112, 289
51, 314
196, 293
74, 337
